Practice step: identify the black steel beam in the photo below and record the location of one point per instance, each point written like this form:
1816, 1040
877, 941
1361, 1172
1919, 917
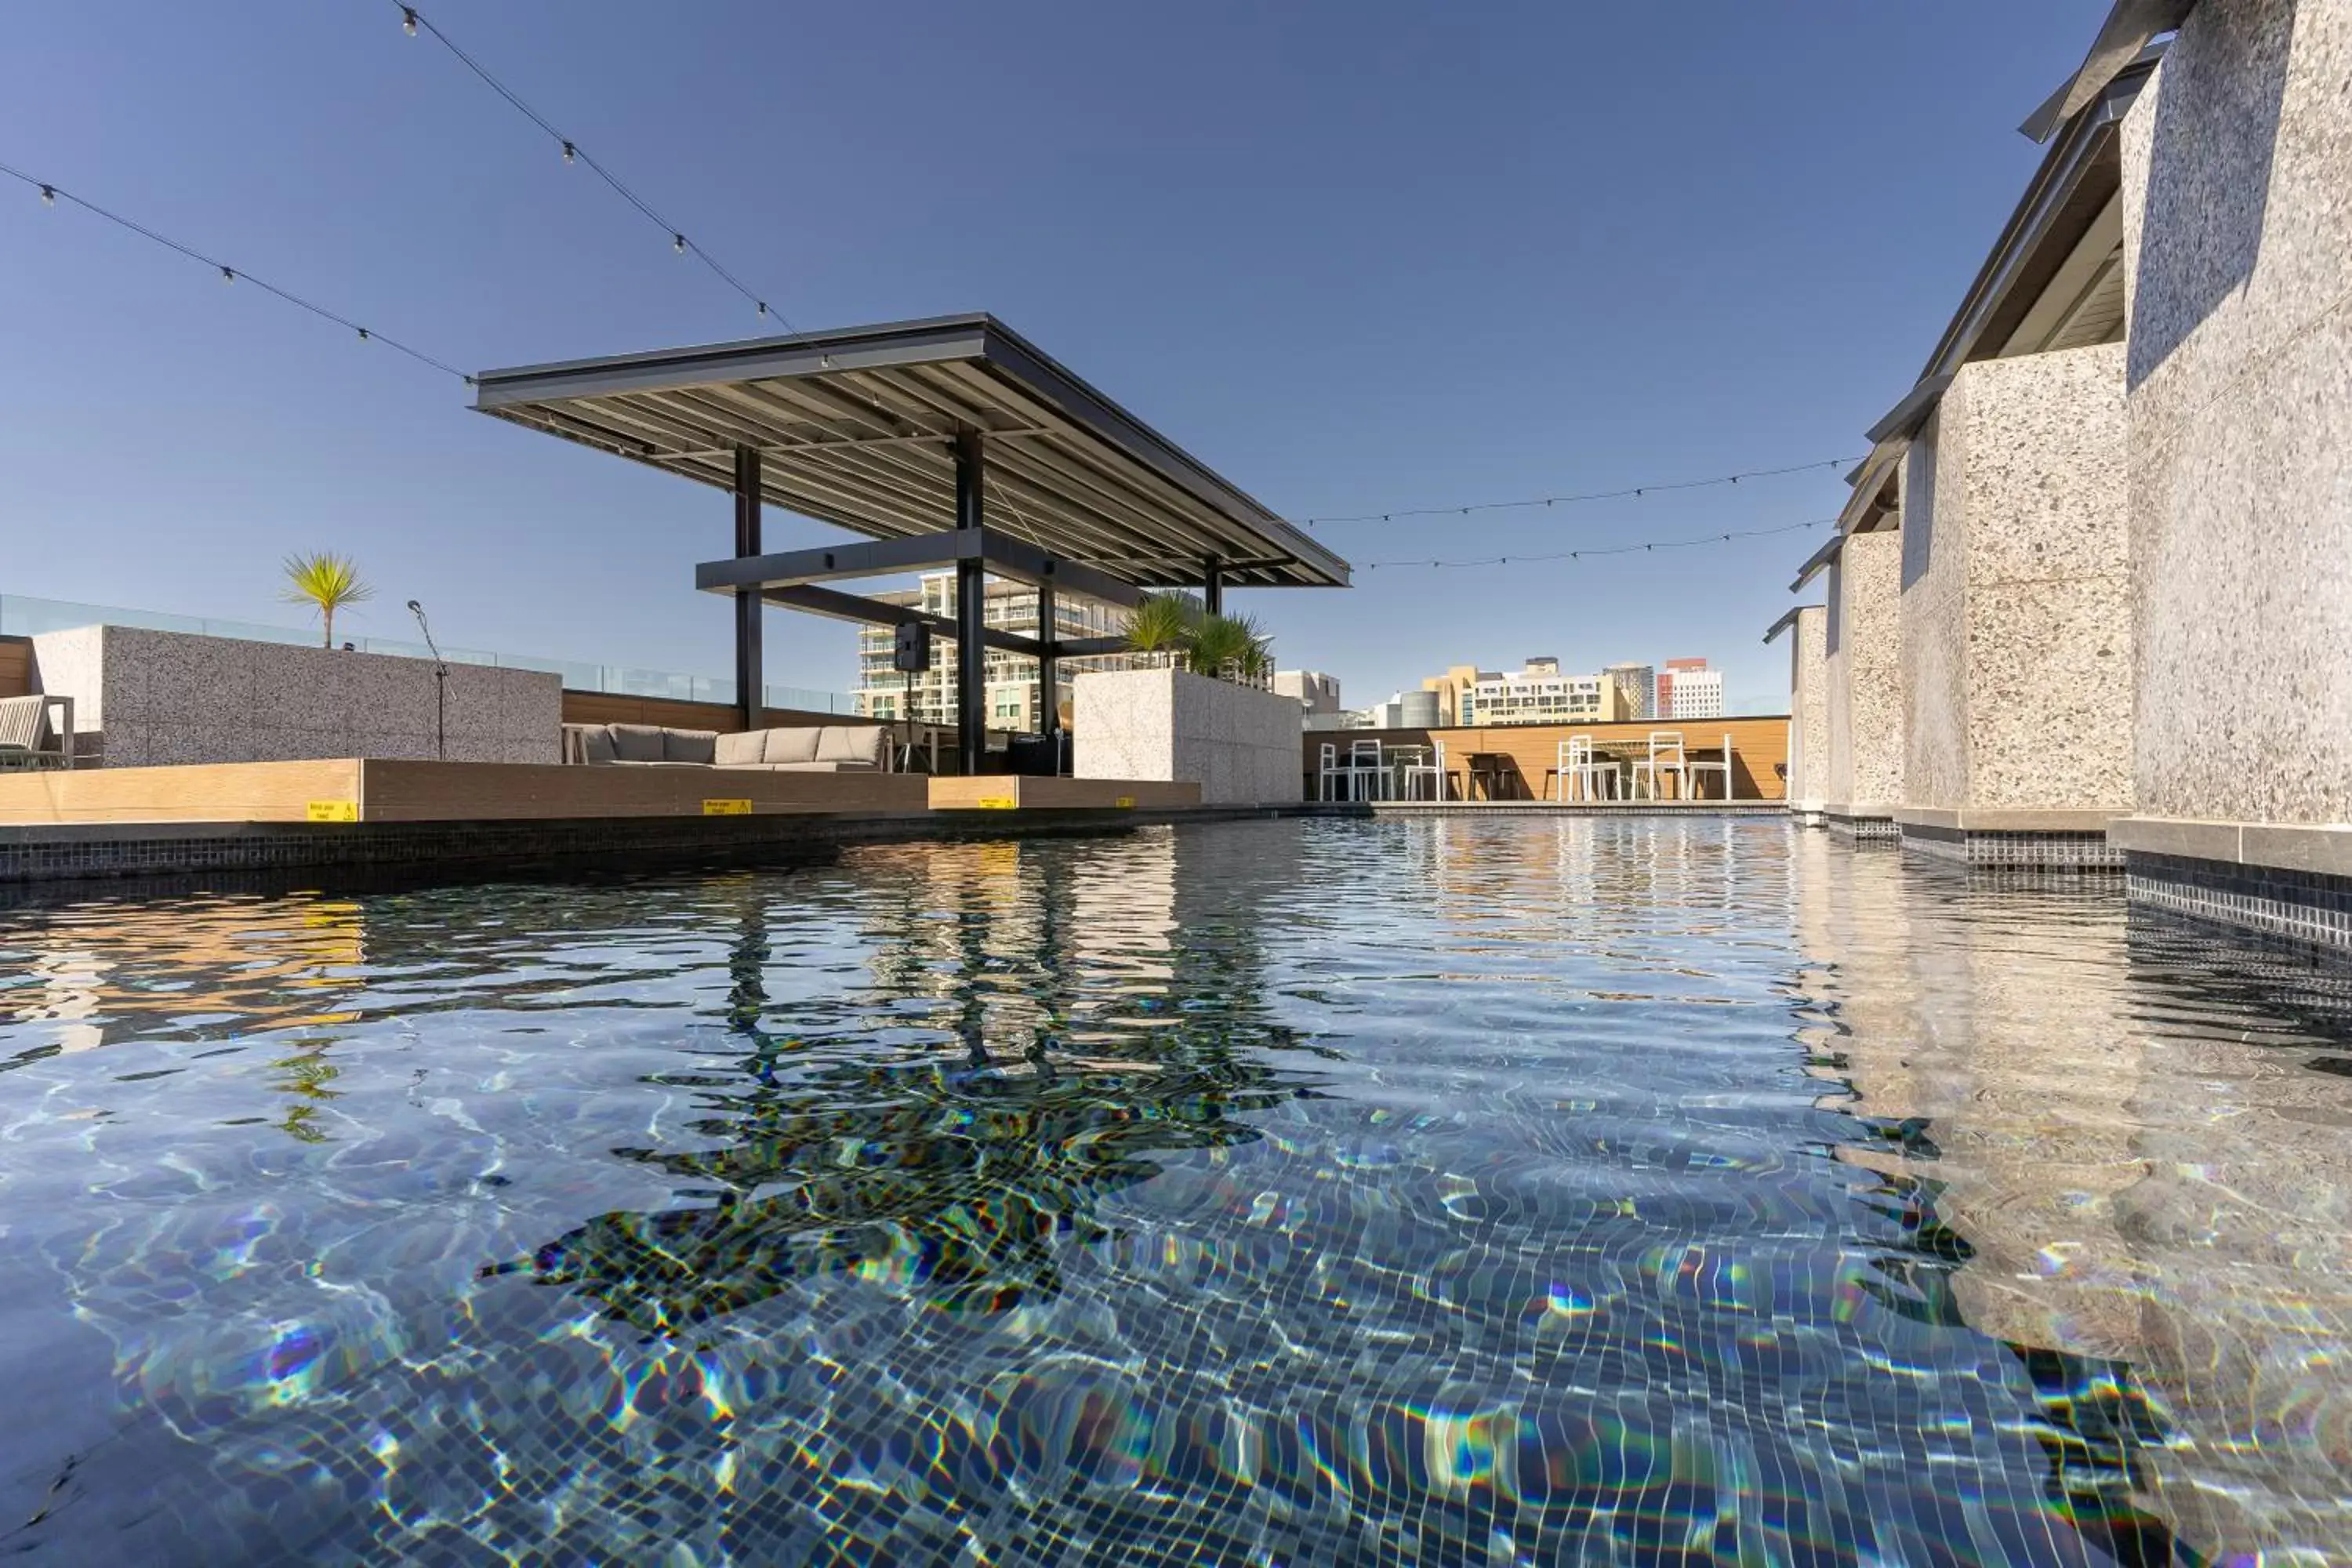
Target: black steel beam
751, 691
972, 606
1001, 553
834, 604
1049, 695
1212, 587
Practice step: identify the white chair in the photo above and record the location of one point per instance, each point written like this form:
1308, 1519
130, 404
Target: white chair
1368, 773
1723, 767
1327, 771
1419, 765
1595, 779
1666, 757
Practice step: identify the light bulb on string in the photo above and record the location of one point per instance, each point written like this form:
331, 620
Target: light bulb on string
677, 243
228, 275
570, 152
49, 195
408, 20
763, 309
364, 335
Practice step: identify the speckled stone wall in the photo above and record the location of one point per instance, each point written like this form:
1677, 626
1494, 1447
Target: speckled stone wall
2238, 219
2016, 670
1809, 710
1241, 745
1864, 668
169, 697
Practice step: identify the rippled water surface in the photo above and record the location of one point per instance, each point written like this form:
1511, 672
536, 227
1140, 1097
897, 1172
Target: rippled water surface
1445, 1192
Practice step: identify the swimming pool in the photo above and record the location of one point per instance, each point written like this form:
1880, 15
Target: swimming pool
1446, 1192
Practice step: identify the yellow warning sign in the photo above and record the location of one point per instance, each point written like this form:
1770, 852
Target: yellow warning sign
996, 803
333, 810
1125, 802
726, 808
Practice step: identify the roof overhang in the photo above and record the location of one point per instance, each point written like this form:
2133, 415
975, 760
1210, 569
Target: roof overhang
2128, 30
857, 427
1785, 622
1818, 560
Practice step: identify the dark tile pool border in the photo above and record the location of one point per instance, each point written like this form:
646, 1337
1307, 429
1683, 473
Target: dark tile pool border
2064, 851
2310, 906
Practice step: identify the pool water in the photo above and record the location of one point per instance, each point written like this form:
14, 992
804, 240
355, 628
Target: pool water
1450, 1192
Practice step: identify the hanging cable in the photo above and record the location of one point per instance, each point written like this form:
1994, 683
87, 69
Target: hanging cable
51, 194
1585, 496
412, 19
1601, 549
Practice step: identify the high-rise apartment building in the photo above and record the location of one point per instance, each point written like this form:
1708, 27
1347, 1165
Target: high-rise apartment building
1636, 689
1694, 694
1015, 701
1688, 689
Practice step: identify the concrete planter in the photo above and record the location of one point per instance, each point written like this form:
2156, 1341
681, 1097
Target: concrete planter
166, 698
1238, 743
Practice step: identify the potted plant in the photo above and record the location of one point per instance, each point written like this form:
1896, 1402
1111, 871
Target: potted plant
1160, 628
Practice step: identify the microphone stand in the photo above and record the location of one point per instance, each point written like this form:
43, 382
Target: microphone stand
440, 685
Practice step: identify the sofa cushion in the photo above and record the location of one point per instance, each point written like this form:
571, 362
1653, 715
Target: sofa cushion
596, 746
791, 745
690, 746
819, 767
637, 742
847, 743
741, 748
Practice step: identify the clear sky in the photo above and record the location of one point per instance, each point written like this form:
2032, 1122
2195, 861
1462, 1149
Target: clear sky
1355, 256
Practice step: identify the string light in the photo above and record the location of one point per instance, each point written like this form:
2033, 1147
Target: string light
408, 20
1635, 493
52, 194
1645, 546
414, 19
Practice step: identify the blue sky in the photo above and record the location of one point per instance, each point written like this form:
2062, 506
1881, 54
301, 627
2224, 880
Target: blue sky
1355, 256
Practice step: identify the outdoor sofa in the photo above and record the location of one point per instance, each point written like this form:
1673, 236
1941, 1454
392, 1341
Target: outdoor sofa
807, 749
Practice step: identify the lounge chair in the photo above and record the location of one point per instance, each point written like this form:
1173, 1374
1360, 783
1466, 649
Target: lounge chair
26, 737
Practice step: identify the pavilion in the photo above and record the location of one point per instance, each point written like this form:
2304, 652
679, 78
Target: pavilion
948, 442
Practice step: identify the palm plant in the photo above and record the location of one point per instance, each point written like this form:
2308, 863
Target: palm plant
1221, 644
1162, 624
326, 580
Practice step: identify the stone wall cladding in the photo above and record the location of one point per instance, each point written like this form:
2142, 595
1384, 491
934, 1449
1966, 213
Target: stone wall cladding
1837, 693
167, 698
2016, 614
1240, 744
2309, 907
1870, 574
1809, 724
2237, 233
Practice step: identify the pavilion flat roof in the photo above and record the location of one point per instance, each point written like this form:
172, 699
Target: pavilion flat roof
855, 427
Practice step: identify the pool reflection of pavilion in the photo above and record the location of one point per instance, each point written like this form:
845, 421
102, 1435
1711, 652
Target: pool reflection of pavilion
958, 1173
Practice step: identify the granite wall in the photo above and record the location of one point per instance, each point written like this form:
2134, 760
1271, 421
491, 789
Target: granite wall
1808, 711
2238, 234
1241, 745
156, 698
2016, 663
1862, 667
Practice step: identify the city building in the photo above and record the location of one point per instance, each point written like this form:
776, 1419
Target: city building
1316, 692
1688, 689
1540, 694
1456, 693
1015, 700
1636, 689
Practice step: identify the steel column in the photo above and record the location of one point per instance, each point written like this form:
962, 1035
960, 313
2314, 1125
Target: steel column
750, 675
1212, 587
971, 610
1048, 664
